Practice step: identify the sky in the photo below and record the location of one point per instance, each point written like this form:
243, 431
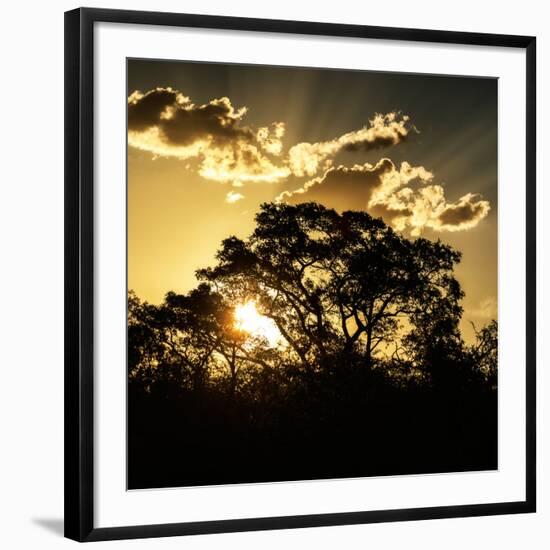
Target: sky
208, 143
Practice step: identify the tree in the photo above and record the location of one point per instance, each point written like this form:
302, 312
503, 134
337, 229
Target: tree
484, 353
145, 345
335, 283
191, 338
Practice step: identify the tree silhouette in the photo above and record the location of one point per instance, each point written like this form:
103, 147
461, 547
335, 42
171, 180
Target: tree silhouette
336, 283
369, 326
484, 353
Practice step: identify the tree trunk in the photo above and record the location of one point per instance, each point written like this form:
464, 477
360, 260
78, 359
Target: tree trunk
233, 370
368, 351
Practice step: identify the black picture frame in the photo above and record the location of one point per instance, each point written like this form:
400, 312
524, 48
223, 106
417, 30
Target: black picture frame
79, 273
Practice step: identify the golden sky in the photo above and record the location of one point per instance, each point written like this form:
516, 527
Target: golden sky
208, 143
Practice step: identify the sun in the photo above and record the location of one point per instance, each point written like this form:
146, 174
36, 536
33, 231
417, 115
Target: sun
250, 321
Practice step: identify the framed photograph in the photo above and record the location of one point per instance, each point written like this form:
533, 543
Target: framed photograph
300, 274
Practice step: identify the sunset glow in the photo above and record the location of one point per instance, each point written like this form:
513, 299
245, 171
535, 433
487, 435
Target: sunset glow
250, 321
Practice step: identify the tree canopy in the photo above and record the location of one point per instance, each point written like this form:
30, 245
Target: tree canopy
342, 289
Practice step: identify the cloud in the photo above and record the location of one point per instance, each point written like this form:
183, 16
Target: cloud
232, 197
271, 139
180, 121
305, 159
239, 163
341, 187
465, 213
383, 190
166, 123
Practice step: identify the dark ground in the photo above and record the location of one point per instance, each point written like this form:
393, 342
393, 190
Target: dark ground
209, 439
